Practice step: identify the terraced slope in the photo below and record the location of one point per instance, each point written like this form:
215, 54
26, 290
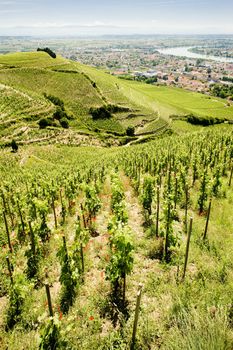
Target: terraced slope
26, 77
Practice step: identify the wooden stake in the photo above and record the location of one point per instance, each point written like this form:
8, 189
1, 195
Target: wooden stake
82, 261
139, 294
176, 190
207, 220
49, 299
32, 238
124, 288
187, 247
186, 210
231, 175
54, 213
65, 246
157, 213
83, 216
9, 269
167, 231
21, 218
7, 232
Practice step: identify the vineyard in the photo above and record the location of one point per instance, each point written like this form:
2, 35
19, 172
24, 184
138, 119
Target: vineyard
119, 248
27, 79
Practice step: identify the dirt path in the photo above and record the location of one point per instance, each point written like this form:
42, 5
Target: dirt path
143, 265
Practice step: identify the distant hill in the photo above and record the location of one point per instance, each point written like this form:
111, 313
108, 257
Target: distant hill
27, 78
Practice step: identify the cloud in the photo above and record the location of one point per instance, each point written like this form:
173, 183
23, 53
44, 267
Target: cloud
44, 25
166, 3
7, 3
3, 12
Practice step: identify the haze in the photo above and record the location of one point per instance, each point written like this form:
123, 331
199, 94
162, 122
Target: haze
90, 17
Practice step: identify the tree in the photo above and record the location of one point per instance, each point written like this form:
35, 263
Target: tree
64, 123
44, 122
130, 131
14, 146
48, 51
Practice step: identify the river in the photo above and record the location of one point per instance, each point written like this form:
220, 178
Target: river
184, 52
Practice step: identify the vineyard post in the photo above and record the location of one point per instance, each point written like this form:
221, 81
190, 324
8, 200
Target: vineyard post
176, 190
82, 260
124, 288
10, 214
7, 231
187, 247
65, 246
54, 212
157, 213
83, 216
139, 294
7, 209
49, 299
186, 209
32, 238
21, 218
9, 269
167, 231
207, 220
4, 201
62, 208
231, 175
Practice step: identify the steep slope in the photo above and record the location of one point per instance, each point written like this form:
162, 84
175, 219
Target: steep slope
26, 78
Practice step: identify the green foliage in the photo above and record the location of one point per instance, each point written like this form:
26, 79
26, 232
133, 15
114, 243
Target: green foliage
92, 201
121, 261
48, 51
64, 123
205, 121
222, 90
33, 260
68, 278
117, 201
130, 131
148, 193
17, 294
217, 183
50, 338
203, 192
100, 113
44, 122
59, 114
55, 100
14, 146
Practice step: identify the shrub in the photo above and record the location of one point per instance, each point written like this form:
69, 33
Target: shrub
59, 114
55, 100
48, 51
130, 131
44, 122
14, 146
100, 113
104, 112
205, 121
64, 123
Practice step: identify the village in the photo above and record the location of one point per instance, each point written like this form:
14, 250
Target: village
147, 64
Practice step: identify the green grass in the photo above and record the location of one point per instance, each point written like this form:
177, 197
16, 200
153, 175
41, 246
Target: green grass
174, 101
30, 59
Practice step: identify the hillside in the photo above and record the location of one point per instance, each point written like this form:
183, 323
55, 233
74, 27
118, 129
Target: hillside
26, 77
90, 225
96, 242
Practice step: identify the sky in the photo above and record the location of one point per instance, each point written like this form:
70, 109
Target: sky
93, 17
